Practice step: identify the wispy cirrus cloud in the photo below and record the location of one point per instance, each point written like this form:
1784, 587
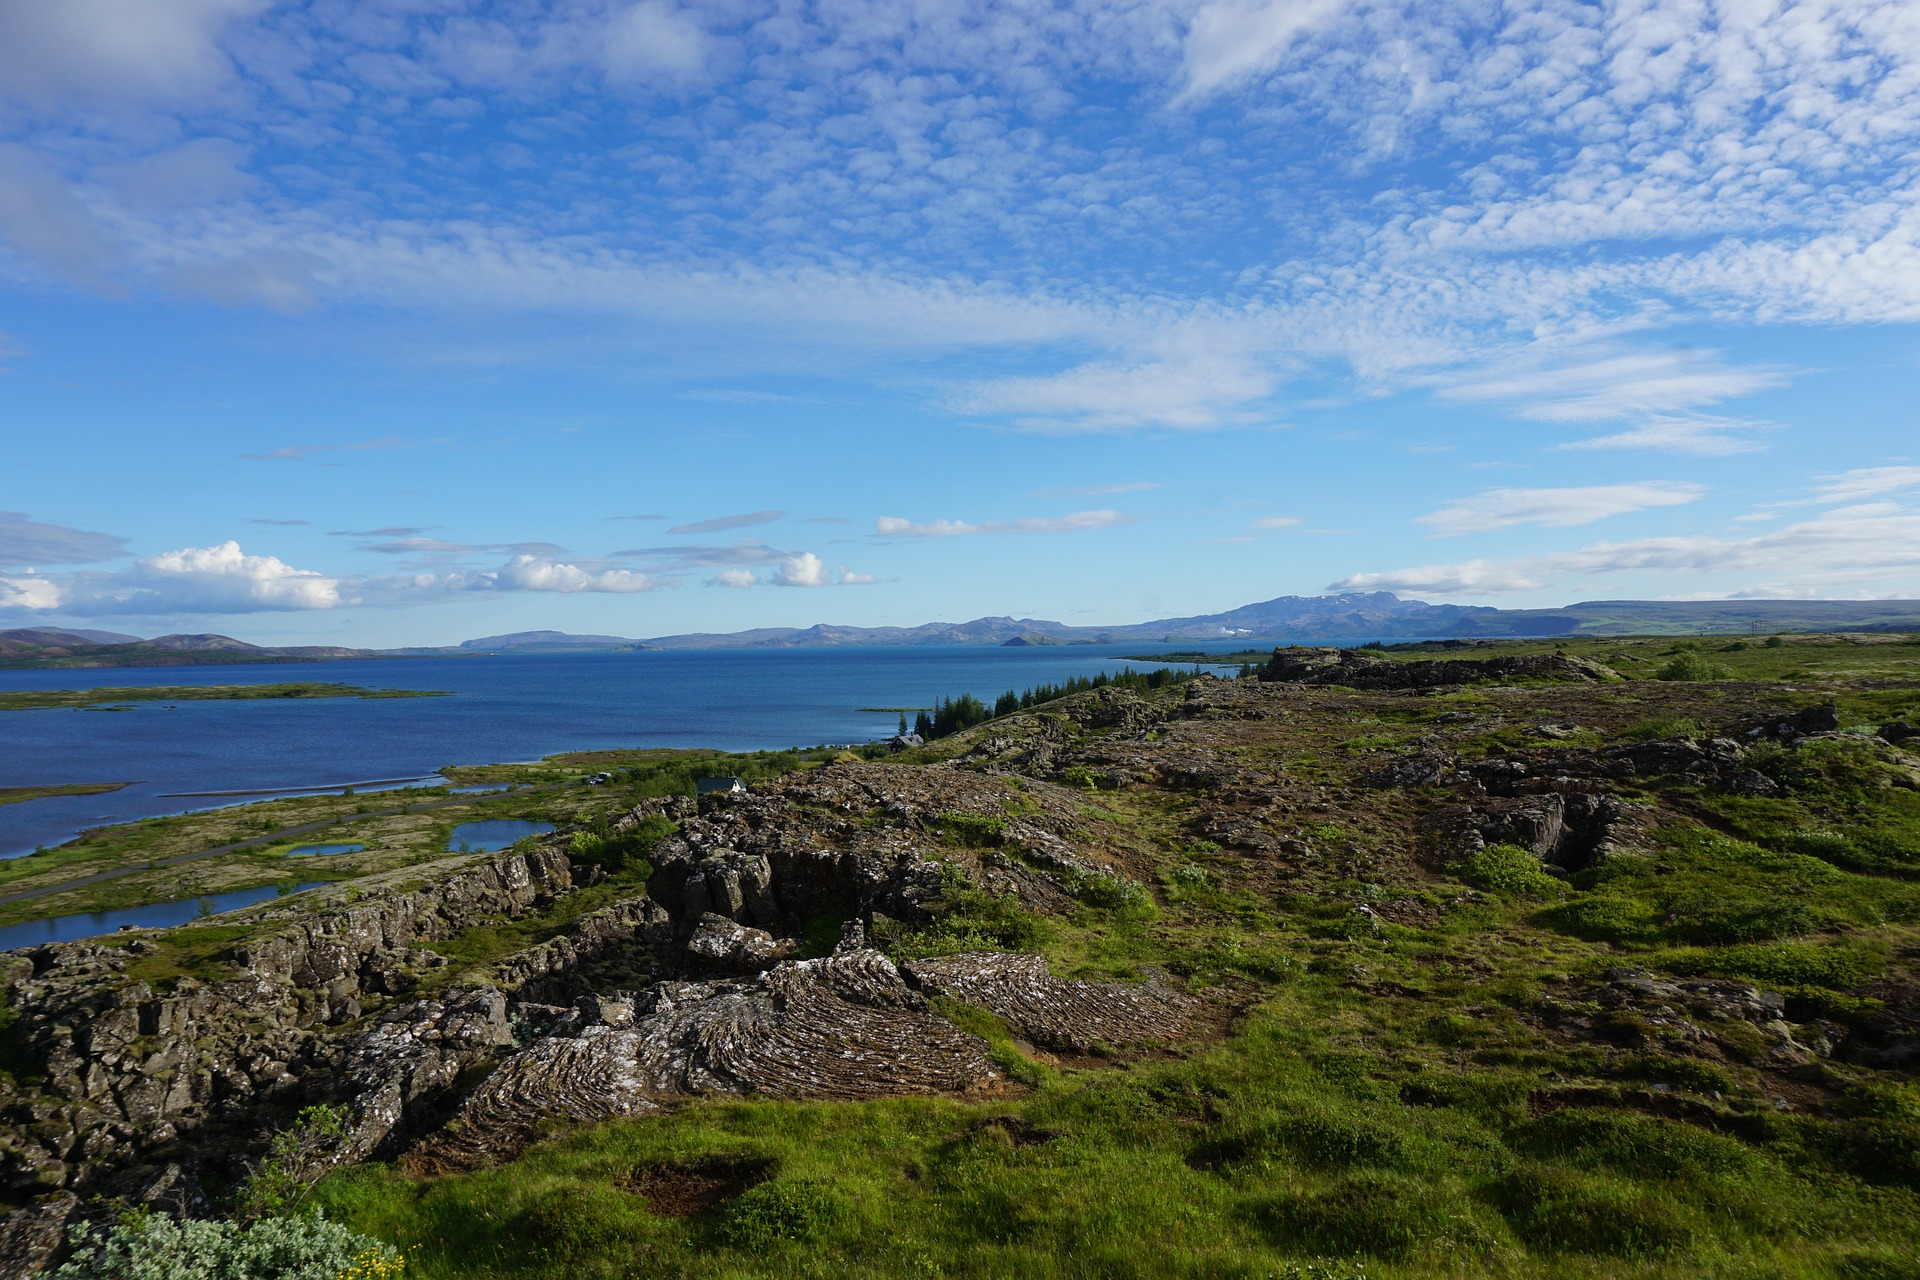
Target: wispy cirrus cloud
1556, 508
901, 527
1866, 482
1847, 547
32, 542
301, 452
720, 524
1697, 435
1099, 490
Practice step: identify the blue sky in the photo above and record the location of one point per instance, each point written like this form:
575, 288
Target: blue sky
402, 321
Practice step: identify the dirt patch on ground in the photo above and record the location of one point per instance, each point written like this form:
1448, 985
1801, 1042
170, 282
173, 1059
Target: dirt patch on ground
696, 1187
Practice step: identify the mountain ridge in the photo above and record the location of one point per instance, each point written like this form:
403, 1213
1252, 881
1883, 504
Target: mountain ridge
1377, 615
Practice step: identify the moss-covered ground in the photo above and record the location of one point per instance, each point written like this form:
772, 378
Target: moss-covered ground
1383, 1092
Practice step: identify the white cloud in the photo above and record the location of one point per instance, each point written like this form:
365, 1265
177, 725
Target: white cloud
650, 41
1232, 41
1556, 508
803, 570
1866, 482
536, 573
1589, 175
848, 578
1588, 386
52, 51
24, 542
1201, 392
1275, 522
43, 222
721, 523
219, 579
1468, 578
900, 527
735, 578
29, 593
1693, 435
1863, 543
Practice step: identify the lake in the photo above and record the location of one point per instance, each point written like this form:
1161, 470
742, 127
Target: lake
502, 709
155, 915
490, 835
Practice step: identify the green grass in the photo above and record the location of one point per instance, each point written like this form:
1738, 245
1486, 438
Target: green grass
1379, 1092
1259, 1154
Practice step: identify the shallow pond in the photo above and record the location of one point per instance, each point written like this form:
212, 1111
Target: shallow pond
493, 834
323, 850
158, 915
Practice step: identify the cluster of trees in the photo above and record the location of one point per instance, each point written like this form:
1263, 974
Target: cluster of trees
951, 715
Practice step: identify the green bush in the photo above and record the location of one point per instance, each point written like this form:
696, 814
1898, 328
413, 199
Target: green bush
1506, 868
973, 829
969, 918
1117, 894
797, 1209
147, 1246
613, 851
1692, 666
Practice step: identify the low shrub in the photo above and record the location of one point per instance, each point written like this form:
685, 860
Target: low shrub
973, 829
614, 851
1506, 868
1692, 666
149, 1246
785, 1209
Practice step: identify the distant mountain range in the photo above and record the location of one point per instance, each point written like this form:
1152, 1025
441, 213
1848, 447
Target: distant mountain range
67, 647
1288, 619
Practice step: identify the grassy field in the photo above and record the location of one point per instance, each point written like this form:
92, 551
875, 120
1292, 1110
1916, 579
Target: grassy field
1415, 1064
1395, 1092
43, 699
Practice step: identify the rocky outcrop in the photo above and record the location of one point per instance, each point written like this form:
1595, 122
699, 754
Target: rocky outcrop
623, 946
1703, 1017
1356, 670
362, 942
1566, 831
842, 1027
398, 1074
1056, 1012
148, 1054
132, 1058
722, 945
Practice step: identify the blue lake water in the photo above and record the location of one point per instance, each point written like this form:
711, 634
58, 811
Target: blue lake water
492, 834
502, 709
323, 850
159, 915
